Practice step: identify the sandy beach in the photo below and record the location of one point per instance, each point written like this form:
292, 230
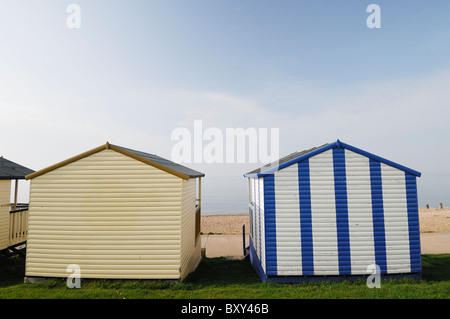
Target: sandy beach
432, 220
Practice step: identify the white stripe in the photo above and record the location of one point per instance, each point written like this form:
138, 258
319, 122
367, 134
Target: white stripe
288, 222
256, 217
395, 220
262, 223
359, 202
323, 214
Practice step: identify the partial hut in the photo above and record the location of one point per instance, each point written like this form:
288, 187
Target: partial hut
13, 216
333, 210
115, 213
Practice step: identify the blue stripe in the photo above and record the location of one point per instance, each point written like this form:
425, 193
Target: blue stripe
378, 215
270, 225
305, 218
256, 263
340, 187
413, 223
259, 217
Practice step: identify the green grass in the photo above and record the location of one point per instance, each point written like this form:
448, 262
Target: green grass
217, 278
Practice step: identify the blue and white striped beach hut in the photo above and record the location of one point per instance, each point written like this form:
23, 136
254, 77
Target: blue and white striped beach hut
333, 211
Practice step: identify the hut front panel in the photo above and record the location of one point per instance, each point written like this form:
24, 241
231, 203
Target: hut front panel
112, 215
190, 246
339, 212
5, 198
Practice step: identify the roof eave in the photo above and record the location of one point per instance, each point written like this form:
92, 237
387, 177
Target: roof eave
381, 159
67, 161
5, 178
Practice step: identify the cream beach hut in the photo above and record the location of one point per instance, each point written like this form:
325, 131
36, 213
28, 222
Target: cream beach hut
116, 213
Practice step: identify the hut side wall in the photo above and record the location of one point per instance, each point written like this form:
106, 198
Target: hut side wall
259, 228
190, 246
5, 198
112, 215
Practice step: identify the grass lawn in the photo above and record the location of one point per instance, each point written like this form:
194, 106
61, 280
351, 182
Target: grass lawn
217, 278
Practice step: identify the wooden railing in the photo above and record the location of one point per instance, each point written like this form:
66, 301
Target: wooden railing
18, 225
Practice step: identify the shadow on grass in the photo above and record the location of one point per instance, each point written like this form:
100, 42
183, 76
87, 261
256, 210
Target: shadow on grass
12, 270
219, 271
436, 267
211, 272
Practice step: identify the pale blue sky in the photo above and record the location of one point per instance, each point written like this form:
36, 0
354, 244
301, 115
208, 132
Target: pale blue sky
136, 70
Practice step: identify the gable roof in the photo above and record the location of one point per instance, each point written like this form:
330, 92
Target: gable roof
301, 156
150, 159
283, 160
11, 170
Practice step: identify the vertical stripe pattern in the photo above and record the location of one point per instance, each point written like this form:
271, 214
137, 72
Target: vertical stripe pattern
336, 213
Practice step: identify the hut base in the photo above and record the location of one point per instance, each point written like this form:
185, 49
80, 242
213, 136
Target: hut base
36, 280
256, 263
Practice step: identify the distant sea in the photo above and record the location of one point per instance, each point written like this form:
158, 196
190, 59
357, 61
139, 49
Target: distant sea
216, 203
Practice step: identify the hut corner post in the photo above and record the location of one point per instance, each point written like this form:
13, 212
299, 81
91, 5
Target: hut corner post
15, 194
199, 192
198, 210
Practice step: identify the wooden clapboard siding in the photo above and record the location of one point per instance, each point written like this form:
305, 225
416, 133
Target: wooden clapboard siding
5, 194
114, 216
